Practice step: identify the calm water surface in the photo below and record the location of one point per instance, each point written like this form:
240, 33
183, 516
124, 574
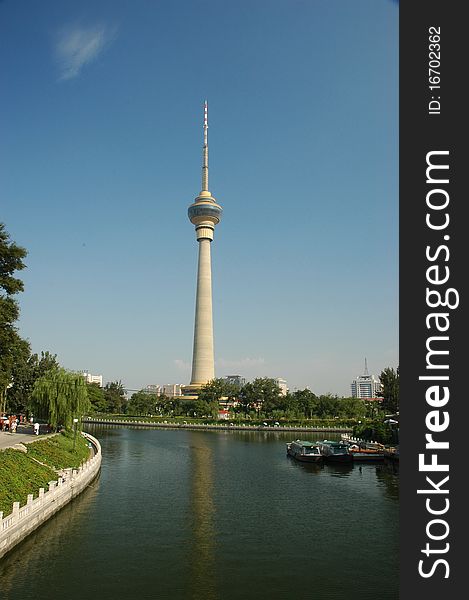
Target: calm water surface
214, 515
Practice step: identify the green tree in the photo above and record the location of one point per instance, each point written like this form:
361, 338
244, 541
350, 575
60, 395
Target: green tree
352, 408
328, 406
247, 397
390, 380
12, 361
306, 402
376, 431
202, 408
263, 393
286, 405
27, 370
96, 397
114, 394
216, 389
59, 396
12, 347
163, 404
177, 406
142, 403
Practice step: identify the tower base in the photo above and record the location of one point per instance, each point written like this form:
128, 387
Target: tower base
193, 389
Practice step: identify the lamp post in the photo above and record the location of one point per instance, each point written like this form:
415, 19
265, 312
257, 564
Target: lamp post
75, 421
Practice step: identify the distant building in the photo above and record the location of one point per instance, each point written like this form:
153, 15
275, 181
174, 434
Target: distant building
172, 389
235, 380
152, 389
89, 378
366, 386
282, 384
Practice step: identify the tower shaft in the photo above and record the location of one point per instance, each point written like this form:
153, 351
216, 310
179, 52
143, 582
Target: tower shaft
203, 369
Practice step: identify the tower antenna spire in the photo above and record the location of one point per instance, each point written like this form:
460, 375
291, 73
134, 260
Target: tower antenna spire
366, 367
205, 150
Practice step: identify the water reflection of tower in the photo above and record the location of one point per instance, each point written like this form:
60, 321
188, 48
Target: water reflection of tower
204, 213
203, 550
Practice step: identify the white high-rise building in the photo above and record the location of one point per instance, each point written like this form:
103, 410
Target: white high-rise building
366, 385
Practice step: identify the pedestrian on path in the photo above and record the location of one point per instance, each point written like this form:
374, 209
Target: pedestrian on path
13, 426
36, 428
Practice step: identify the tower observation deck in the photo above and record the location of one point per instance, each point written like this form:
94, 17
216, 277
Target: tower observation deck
204, 213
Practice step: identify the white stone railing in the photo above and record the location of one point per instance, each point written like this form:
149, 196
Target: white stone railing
23, 520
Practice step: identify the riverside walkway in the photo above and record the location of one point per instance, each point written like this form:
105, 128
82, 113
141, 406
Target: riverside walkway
24, 435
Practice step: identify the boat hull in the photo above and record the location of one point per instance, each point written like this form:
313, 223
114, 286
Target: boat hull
339, 458
367, 456
308, 458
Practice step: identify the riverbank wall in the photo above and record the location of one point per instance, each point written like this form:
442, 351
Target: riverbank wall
22, 521
227, 426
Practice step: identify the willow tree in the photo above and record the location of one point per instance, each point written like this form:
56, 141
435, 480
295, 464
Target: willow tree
60, 396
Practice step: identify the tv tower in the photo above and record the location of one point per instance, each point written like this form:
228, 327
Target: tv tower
204, 213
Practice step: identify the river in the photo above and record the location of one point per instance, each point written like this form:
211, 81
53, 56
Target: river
214, 515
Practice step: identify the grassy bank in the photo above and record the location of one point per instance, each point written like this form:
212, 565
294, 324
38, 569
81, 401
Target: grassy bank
21, 475
59, 452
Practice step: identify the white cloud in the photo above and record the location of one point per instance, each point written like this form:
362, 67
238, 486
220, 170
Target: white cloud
77, 46
182, 365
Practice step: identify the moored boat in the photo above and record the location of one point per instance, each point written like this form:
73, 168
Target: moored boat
364, 454
335, 451
304, 451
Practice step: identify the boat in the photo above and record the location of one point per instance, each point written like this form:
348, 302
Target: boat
335, 451
305, 451
362, 453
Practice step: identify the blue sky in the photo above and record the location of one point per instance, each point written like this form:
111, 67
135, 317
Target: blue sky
101, 153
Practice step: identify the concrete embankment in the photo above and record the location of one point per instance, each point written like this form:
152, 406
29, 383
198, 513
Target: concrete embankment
23, 521
99, 421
